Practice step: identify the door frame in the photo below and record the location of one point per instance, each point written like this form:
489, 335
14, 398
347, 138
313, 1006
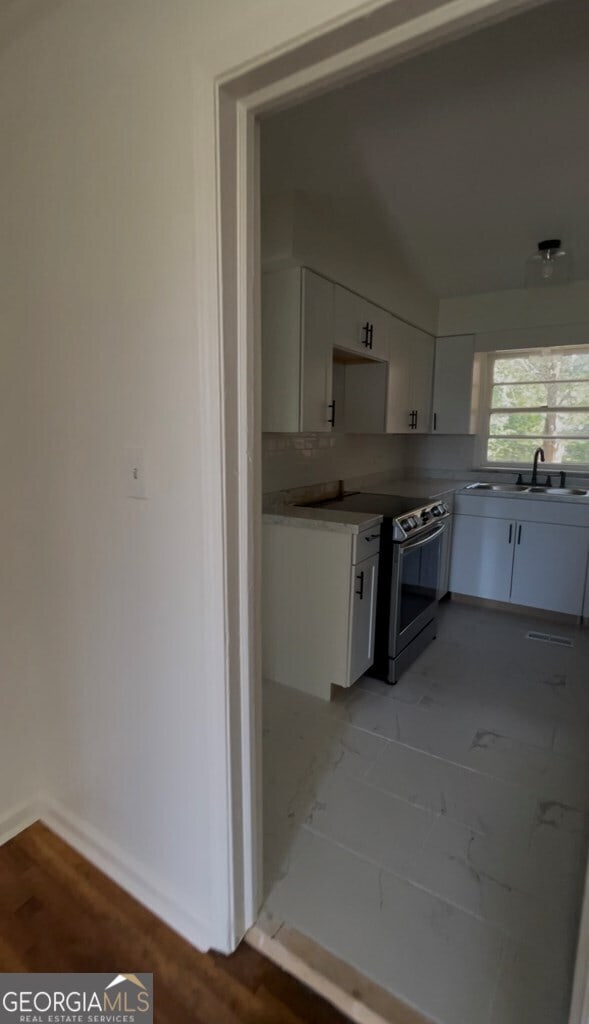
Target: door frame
376, 35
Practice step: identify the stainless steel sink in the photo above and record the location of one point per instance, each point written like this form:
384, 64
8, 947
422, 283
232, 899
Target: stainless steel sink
567, 490
527, 489
497, 487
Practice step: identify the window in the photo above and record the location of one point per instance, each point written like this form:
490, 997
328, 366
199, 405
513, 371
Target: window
538, 398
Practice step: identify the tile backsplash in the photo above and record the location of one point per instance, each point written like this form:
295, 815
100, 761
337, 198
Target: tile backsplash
304, 460
299, 460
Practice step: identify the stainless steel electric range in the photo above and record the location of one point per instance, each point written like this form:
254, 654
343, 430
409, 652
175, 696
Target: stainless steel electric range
408, 576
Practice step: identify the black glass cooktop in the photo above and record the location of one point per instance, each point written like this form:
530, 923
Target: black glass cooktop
378, 504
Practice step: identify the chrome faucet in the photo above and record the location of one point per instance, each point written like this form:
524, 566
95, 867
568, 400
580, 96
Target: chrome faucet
538, 453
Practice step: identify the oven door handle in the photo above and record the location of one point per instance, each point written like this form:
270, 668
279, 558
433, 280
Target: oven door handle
412, 545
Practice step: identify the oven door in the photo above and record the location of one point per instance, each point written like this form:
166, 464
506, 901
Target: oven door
415, 581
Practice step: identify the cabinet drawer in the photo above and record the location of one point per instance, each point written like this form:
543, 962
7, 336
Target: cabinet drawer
366, 544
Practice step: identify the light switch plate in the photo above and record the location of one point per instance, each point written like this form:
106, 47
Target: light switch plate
136, 486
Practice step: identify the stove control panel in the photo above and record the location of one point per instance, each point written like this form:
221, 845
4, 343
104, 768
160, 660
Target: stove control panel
417, 521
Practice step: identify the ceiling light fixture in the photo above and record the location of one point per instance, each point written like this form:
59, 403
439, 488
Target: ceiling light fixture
550, 264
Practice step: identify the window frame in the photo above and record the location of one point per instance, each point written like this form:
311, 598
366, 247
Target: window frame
486, 409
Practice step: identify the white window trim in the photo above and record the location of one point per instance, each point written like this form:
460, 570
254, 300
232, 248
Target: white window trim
482, 440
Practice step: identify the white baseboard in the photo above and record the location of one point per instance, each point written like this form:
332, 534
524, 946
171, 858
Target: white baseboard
126, 872
115, 863
18, 819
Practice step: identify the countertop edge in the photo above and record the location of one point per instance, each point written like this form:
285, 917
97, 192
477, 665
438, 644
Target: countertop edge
323, 519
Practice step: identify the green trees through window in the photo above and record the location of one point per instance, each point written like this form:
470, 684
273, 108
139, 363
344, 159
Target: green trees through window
539, 398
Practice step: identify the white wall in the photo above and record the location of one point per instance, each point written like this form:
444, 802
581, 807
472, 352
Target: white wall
298, 228
21, 564
517, 309
113, 609
439, 454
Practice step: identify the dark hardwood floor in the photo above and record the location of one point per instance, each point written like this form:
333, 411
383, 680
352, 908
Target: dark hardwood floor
59, 913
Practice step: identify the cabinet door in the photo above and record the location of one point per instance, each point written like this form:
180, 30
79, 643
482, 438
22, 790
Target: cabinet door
380, 330
550, 566
281, 350
421, 346
317, 347
453, 377
482, 557
363, 617
399, 407
360, 326
444, 583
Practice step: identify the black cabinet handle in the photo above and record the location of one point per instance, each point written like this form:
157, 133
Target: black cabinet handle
371, 334
360, 593
372, 536
519, 533
412, 419
435, 421
416, 415
366, 339
510, 532
331, 417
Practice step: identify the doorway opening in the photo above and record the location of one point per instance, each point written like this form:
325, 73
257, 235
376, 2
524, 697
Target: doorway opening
279, 449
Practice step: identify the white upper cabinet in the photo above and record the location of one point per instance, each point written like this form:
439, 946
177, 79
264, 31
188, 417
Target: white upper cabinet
317, 409
297, 340
452, 408
422, 371
359, 325
411, 364
399, 410
332, 360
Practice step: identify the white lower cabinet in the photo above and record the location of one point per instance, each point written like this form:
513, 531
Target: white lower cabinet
318, 605
549, 567
540, 565
482, 557
363, 617
444, 584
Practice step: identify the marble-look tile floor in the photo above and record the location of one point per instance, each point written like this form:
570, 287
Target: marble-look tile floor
434, 834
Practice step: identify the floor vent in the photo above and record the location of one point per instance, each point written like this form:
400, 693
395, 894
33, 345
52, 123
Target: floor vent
550, 638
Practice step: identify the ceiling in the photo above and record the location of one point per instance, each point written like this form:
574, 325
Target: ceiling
465, 156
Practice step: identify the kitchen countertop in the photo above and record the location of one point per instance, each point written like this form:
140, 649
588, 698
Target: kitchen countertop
322, 519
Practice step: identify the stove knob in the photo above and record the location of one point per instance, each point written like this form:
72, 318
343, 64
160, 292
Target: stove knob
437, 510
425, 516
